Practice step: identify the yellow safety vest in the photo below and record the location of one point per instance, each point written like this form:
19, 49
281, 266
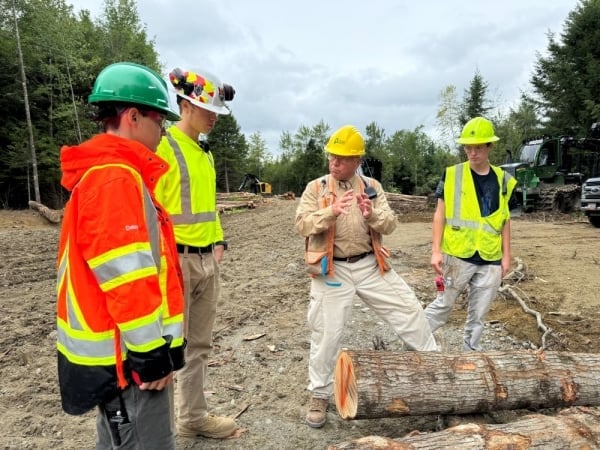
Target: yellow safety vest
466, 231
188, 190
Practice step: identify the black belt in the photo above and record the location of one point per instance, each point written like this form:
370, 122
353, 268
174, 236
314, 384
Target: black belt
191, 249
353, 259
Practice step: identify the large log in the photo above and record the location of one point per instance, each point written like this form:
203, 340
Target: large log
51, 215
576, 428
374, 384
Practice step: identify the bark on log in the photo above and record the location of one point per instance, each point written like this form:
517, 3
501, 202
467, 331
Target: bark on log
373, 384
51, 215
232, 206
576, 428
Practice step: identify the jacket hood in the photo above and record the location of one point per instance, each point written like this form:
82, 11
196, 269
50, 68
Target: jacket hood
105, 148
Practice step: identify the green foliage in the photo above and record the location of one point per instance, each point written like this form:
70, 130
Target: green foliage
448, 116
302, 159
567, 81
474, 102
229, 148
62, 54
414, 163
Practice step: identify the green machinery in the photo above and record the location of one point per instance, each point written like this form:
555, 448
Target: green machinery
550, 171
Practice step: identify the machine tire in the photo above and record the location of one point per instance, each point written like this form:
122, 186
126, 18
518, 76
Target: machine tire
595, 221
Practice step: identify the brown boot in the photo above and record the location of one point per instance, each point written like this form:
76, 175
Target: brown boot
317, 412
213, 427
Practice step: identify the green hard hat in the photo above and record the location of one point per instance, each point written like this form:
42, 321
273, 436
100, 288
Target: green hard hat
132, 83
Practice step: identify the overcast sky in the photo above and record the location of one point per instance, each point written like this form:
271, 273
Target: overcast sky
296, 63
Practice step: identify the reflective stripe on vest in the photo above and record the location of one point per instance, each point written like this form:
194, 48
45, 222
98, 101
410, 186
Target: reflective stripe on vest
465, 231
453, 221
186, 217
130, 262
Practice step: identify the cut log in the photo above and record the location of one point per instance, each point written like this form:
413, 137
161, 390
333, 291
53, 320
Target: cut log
572, 428
232, 206
51, 215
375, 384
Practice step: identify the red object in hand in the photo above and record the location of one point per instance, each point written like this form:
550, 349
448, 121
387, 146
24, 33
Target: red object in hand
439, 284
136, 378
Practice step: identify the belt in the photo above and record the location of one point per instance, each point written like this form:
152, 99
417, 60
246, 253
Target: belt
353, 259
191, 249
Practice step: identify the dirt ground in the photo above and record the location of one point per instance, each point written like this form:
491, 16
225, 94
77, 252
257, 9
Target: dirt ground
258, 371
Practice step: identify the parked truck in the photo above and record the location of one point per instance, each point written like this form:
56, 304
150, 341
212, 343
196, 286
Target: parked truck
551, 170
590, 200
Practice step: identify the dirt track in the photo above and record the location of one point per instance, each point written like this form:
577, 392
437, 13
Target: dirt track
265, 294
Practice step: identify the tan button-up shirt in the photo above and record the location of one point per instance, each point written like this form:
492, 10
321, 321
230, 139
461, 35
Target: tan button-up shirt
352, 236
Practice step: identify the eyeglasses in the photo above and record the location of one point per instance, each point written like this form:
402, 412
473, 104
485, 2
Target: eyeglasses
156, 117
341, 159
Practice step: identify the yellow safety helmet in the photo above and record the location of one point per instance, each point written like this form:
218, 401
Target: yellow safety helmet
477, 131
347, 141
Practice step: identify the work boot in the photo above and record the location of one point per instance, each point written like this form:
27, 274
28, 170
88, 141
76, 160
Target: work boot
213, 427
317, 412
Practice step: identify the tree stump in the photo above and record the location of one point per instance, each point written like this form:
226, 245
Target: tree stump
374, 384
572, 428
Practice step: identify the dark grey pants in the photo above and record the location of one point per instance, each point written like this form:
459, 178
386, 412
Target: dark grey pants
136, 420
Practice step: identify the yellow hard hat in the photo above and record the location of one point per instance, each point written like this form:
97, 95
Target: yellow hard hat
477, 131
347, 141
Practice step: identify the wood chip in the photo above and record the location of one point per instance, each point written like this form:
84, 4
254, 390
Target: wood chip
254, 337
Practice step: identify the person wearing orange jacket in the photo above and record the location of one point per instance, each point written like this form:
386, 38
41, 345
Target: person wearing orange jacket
119, 284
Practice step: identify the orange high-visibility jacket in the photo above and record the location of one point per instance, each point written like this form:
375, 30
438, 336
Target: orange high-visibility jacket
119, 287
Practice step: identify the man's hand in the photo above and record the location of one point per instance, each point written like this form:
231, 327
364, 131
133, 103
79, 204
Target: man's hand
218, 252
342, 205
157, 385
436, 262
365, 205
505, 264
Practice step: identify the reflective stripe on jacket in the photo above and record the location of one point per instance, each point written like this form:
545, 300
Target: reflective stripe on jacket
188, 190
465, 231
119, 286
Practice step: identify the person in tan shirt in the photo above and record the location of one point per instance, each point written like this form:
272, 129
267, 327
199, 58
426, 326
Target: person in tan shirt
343, 216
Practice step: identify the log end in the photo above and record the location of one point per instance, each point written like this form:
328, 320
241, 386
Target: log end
345, 389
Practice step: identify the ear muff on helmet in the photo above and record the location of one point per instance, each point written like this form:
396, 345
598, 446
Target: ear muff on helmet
202, 89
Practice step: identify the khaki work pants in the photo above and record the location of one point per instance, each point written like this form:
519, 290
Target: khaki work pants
201, 290
331, 306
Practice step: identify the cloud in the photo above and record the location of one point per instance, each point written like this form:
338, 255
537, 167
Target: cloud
296, 63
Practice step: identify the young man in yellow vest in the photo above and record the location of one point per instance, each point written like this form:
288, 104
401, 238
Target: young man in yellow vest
471, 232
188, 193
343, 216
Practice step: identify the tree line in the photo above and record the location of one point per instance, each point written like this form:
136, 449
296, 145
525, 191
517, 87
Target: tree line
50, 55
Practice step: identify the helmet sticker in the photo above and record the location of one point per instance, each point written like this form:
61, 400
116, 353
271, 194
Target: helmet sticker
193, 85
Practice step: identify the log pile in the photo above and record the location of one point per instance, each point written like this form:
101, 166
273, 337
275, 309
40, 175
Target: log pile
374, 384
571, 428
403, 204
230, 201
